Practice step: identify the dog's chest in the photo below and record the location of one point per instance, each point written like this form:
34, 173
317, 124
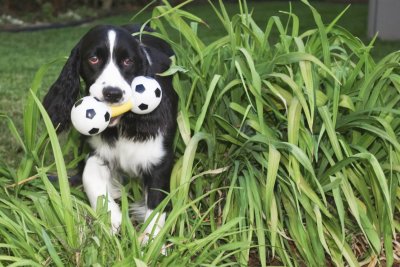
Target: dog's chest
132, 157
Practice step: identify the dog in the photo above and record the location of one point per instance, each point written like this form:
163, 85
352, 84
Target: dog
108, 58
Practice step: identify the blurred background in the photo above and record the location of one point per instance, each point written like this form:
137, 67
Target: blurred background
38, 14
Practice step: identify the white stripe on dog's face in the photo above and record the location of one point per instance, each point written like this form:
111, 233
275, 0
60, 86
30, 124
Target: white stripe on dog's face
111, 75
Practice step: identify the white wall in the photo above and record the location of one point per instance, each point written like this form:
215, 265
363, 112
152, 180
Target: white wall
384, 18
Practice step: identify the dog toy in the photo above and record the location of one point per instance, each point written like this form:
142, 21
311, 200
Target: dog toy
91, 116
147, 94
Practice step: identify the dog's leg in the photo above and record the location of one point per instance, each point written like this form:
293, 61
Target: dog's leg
154, 227
97, 181
156, 188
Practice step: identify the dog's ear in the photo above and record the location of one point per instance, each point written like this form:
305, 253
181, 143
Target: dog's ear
144, 54
155, 60
63, 93
149, 40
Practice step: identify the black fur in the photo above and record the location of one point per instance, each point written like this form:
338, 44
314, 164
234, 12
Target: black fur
63, 93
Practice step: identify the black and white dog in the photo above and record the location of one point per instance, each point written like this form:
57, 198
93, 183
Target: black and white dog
108, 58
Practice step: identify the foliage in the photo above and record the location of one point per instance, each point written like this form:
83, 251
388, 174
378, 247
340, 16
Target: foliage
56, 7
287, 152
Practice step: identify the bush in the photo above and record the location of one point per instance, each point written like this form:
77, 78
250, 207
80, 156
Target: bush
287, 153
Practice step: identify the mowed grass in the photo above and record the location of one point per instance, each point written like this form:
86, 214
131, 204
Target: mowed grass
287, 152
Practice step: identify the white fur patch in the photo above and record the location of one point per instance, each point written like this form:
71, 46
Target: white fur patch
111, 75
111, 41
138, 209
97, 181
130, 156
147, 55
154, 227
156, 223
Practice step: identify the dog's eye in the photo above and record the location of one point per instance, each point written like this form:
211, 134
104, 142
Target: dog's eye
127, 62
94, 60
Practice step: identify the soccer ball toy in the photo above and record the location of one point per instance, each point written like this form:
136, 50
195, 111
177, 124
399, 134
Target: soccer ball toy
90, 116
146, 95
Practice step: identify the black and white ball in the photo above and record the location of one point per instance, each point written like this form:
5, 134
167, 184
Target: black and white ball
146, 95
90, 116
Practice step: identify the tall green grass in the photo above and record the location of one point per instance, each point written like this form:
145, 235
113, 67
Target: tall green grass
287, 154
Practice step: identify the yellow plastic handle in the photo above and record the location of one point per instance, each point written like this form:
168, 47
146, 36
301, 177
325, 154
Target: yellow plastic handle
118, 110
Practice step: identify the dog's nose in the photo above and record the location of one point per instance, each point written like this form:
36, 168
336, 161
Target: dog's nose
112, 94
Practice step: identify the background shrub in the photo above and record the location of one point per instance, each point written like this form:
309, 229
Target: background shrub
287, 153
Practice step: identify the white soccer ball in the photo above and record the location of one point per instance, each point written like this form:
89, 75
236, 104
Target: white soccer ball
90, 116
146, 95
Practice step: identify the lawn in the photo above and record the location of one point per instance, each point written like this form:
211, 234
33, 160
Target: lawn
287, 152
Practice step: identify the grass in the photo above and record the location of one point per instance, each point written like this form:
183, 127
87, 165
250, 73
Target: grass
23, 53
287, 154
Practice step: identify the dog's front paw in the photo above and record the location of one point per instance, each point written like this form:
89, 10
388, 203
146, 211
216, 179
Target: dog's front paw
144, 239
153, 229
116, 217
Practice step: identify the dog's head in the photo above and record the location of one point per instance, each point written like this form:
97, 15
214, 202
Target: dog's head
107, 58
